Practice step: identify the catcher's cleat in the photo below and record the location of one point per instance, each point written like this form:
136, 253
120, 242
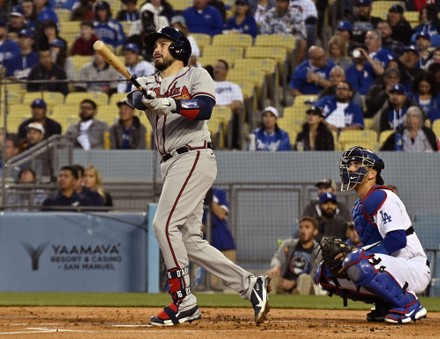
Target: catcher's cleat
260, 299
406, 315
170, 316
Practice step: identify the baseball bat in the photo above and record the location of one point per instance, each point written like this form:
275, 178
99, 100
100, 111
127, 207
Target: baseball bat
114, 61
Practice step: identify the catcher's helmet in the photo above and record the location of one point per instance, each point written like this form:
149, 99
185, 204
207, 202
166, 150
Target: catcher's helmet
365, 158
180, 48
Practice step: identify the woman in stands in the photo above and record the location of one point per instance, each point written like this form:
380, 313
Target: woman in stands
425, 94
315, 135
415, 137
93, 181
337, 52
242, 22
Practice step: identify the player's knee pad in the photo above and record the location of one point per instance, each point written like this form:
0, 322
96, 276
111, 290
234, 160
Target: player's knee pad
330, 284
179, 286
381, 283
358, 267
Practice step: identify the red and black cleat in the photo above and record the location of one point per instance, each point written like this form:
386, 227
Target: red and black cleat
171, 316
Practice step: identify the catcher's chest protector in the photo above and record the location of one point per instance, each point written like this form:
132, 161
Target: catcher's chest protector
363, 212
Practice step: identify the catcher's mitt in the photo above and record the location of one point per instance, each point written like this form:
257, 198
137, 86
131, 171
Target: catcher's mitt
334, 251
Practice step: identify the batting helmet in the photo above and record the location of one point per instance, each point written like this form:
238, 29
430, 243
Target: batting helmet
366, 159
180, 47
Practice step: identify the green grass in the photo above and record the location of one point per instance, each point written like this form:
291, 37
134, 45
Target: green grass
160, 300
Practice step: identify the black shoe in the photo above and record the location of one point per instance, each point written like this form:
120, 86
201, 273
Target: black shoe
170, 316
260, 298
378, 313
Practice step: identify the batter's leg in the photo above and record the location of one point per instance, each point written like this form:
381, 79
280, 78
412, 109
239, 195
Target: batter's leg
186, 181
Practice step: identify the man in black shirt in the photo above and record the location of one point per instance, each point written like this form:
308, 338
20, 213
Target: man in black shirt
66, 200
48, 72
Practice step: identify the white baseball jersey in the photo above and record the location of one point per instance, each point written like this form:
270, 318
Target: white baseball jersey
392, 216
174, 130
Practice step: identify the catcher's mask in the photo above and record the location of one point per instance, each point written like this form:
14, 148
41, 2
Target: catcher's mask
366, 159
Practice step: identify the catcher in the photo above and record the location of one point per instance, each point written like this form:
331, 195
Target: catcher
392, 266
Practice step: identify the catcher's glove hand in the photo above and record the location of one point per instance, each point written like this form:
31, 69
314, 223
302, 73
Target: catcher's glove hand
334, 251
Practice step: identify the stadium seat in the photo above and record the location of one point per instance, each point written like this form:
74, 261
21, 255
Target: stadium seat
108, 113
17, 113
240, 40
232, 52
79, 61
364, 138
202, 39
268, 66
51, 98
116, 97
278, 40
63, 15
294, 116
412, 17
380, 8
436, 127
368, 123
75, 98
180, 5
383, 136
69, 27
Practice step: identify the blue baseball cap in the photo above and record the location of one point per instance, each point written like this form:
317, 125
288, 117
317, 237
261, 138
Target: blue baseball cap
396, 8
423, 35
398, 89
327, 196
359, 3
412, 49
26, 33
131, 47
57, 43
345, 25
39, 103
17, 11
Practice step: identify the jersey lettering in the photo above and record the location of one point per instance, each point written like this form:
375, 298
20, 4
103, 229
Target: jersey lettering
385, 217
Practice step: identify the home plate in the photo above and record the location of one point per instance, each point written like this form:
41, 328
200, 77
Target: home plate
125, 325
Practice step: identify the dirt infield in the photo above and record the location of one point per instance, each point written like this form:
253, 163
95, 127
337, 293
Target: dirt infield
88, 322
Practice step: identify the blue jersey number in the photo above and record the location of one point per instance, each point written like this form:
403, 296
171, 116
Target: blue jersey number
385, 217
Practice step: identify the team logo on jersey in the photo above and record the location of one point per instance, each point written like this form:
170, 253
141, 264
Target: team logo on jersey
385, 217
178, 93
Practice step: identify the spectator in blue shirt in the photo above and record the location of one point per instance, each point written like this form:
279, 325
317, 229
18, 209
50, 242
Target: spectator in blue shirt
107, 29
393, 115
361, 74
269, 137
44, 12
377, 56
429, 23
203, 18
242, 21
220, 237
425, 94
8, 48
340, 113
312, 75
20, 66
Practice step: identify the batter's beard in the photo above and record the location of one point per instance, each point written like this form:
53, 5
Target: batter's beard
167, 62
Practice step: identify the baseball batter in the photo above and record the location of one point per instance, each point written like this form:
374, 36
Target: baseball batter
178, 103
392, 266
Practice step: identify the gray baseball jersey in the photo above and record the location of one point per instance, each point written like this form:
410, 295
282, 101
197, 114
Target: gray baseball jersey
173, 130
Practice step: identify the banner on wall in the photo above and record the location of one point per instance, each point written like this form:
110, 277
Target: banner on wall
73, 252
